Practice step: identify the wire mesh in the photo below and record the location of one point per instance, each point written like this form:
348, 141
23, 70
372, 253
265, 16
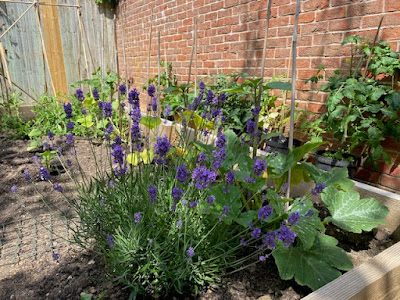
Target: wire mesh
30, 237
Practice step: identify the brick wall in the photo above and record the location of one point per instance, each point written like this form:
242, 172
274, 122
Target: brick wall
230, 38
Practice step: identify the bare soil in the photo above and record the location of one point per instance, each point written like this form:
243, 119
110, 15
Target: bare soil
51, 268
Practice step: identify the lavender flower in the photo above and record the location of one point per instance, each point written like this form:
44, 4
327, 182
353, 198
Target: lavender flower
203, 177
95, 95
109, 129
179, 224
226, 190
202, 86
58, 188
154, 104
70, 125
44, 174
264, 212
137, 216
177, 193
194, 204
190, 252
68, 110
250, 180
173, 207
14, 189
222, 98
122, 89
318, 189
118, 154
210, 200
84, 111
294, 218
256, 111
250, 127
209, 98
225, 210
243, 242
152, 194
286, 235
70, 139
110, 241
230, 178
50, 134
269, 239
55, 256
262, 258
79, 95
133, 98
161, 148
221, 141
106, 107
256, 233
135, 130
259, 167
151, 90
182, 173
27, 176
309, 213
219, 157
167, 111
46, 146
202, 158
184, 202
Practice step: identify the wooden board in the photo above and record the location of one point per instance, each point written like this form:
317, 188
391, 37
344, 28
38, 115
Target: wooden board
52, 34
377, 279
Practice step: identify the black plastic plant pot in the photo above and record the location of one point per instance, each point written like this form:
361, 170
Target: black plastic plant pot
277, 145
327, 163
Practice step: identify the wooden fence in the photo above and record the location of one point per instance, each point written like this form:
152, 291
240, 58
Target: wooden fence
74, 38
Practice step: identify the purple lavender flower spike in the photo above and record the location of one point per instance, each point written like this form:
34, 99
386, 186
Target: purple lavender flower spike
176, 193
151, 90
294, 218
95, 95
137, 217
190, 252
68, 110
79, 95
182, 173
152, 194
110, 241
122, 89
259, 167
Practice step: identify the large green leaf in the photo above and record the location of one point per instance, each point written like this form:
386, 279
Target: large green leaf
393, 100
337, 177
150, 122
313, 267
246, 217
351, 213
308, 227
236, 152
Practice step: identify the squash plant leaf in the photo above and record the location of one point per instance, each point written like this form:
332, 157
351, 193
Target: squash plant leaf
351, 213
313, 267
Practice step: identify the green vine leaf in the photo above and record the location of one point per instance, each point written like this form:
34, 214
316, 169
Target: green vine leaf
313, 267
351, 213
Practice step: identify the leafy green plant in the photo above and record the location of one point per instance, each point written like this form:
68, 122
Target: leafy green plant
11, 122
362, 110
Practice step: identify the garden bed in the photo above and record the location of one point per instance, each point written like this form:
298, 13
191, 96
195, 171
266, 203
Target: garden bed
76, 271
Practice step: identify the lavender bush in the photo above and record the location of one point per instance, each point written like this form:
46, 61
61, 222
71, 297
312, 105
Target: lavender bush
175, 215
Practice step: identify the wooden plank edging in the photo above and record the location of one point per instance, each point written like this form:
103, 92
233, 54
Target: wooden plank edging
378, 278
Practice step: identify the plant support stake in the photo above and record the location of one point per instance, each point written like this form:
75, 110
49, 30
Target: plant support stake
260, 88
292, 102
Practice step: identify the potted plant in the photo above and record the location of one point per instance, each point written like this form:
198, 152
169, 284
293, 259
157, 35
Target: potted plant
361, 109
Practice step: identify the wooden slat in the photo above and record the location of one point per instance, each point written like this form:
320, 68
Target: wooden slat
377, 279
52, 33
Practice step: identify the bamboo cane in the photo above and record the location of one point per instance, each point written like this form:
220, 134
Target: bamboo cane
5, 66
293, 99
190, 65
44, 49
195, 57
260, 87
149, 53
159, 74
373, 45
39, 3
78, 12
5, 84
21, 89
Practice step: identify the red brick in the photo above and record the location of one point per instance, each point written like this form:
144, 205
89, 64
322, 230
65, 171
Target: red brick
367, 175
307, 17
345, 24
313, 28
284, 10
390, 33
316, 107
390, 181
366, 8
327, 38
337, 50
315, 4
330, 14
310, 51
392, 5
